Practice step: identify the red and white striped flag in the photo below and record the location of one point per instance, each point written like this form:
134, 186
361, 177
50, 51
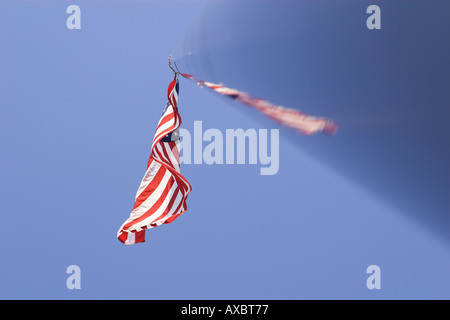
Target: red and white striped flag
161, 197
292, 118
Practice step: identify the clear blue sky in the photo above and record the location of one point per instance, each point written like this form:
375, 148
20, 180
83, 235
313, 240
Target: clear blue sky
78, 110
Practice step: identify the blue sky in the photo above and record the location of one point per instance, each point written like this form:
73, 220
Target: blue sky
78, 109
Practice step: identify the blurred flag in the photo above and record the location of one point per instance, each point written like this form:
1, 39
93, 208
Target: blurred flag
295, 119
162, 194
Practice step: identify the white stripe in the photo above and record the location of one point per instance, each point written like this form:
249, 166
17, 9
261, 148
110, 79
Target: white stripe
149, 220
169, 110
177, 121
163, 130
169, 126
172, 159
186, 184
155, 155
178, 199
131, 239
148, 177
175, 95
161, 154
176, 203
151, 200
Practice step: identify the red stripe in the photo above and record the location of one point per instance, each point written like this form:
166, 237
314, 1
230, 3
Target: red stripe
176, 215
177, 211
182, 182
161, 156
169, 207
150, 160
165, 119
139, 236
173, 101
166, 155
154, 207
162, 134
123, 237
169, 91
150, 188
176, 154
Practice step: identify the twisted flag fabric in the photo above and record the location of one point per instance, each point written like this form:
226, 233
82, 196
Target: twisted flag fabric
295, 119
163, 191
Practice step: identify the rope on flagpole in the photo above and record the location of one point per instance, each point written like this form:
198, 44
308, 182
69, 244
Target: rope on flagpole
170, 66
176, 67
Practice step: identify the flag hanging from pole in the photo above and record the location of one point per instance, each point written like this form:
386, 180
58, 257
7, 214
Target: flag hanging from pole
162, 194
292, 118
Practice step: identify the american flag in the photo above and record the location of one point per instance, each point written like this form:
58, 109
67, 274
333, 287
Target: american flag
162, 194
292, 118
